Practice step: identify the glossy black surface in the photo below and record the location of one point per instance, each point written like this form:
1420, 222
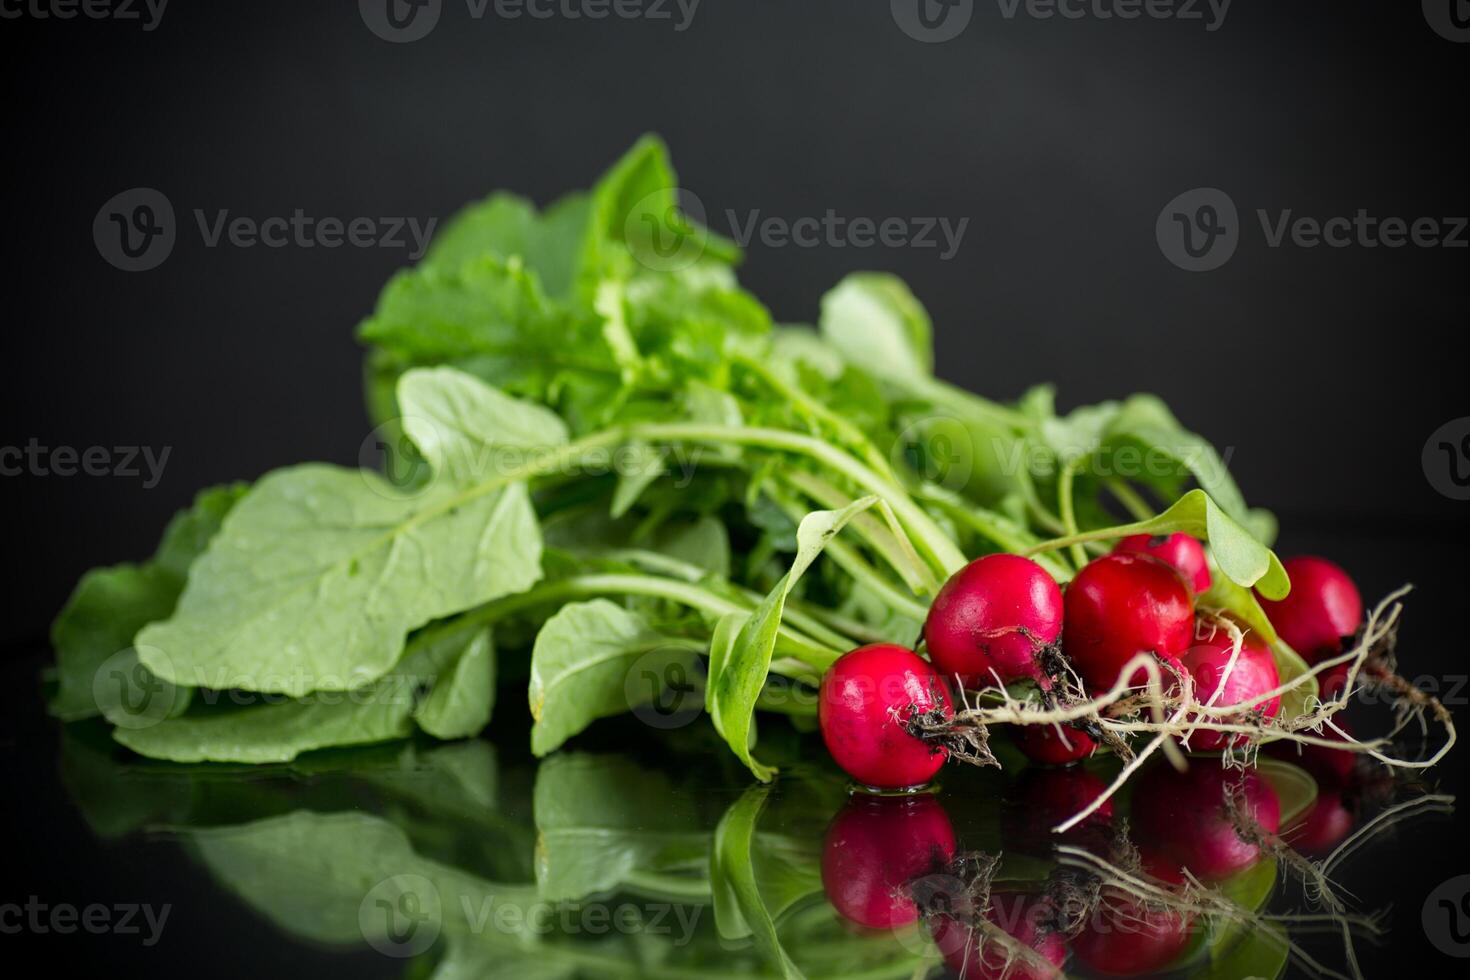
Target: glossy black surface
267, 869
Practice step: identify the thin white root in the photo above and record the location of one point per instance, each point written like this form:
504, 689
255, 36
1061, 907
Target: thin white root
1167, 709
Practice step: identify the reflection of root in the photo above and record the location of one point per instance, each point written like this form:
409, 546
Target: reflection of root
1318, 886
1165, 710
963, 894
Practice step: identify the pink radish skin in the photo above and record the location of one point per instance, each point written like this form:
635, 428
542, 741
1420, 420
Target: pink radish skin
1322, 607
1183, 552
866, 700
1254, 674
1181, 820
1120, 605
1042, 745
875, 847
993, 618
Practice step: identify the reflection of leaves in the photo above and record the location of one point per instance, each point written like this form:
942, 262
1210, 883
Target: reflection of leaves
602, 820
1259, 953
1294, 786
740, 910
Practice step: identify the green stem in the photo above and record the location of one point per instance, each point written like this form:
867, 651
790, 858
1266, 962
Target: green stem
1083, 537
1131, 499
848, 559
928, 535
666, 565
896, 552
850, 433
790, 641
986, 524
1069, 514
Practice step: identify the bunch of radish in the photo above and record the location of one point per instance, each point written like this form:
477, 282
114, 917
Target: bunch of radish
1002, 621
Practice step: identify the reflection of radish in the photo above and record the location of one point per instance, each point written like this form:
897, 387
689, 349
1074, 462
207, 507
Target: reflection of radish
1181, 820
993, 618
1120, 605
1324, 826
867, 698
1126, 939
1254, 674
1044, 745
1322, 607
1043, 798
1022, 917
1181, 551
875, 848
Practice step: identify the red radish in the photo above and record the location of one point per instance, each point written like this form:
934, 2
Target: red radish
875, 848
1120, 605
1322, 607
1025, 918
1044, 798
1254, 674
1045, 745
1324, 826
1181, 551
1182, 820
867, 698
993, 618
1125, 938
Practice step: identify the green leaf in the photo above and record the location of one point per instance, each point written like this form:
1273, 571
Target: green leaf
319, 573
583, 668
877, 324
469, 431
1243, 559
739, 908
110, 605
462, 697
1147, 421
506, 226
735, 684
443, 684
601, 820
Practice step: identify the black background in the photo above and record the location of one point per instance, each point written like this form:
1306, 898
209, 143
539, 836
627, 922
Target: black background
1322, 371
